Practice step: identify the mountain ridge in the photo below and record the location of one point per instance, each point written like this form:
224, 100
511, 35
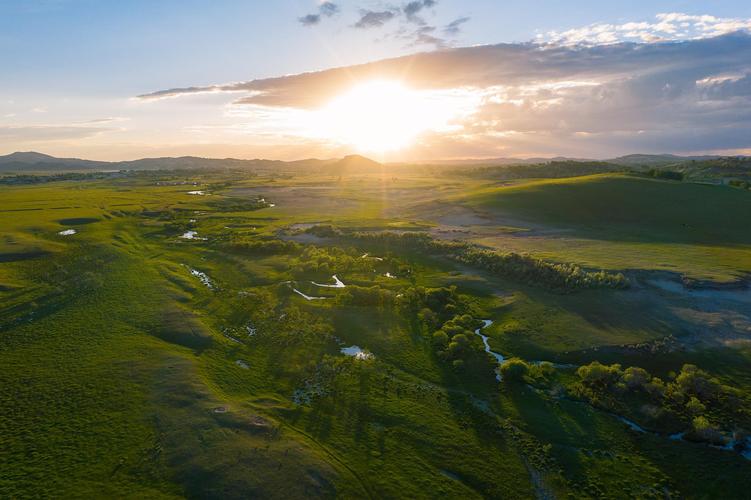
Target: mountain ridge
33, 161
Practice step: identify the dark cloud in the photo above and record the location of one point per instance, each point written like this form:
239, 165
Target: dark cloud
668, 96
425, 35
310, 19
374, 19
455, 26
412, 9
326, 9
164, 94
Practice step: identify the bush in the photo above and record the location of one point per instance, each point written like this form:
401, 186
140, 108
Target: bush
514, 370
440, 339
696, 382
458, 345
512, 265
365, 296
666, 174
541, 372
265, 247
695, 407
705, 431
635, 377
324, 231
596, 374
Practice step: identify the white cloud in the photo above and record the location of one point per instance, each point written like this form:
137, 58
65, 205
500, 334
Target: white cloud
668, 26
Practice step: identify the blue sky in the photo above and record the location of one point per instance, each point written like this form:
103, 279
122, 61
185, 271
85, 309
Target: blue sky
79, 63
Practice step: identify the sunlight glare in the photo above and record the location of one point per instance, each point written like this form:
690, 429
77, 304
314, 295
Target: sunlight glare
381, 116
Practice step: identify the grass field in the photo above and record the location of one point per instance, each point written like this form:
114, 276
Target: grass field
137, 362
622, 222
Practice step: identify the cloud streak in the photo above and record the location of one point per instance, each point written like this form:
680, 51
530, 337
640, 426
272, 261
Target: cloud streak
326, 9
374, 19
454, 27
413, 9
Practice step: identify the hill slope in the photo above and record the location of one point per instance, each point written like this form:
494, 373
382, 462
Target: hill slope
627, 208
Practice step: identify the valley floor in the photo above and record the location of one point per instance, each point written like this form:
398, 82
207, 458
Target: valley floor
211, 334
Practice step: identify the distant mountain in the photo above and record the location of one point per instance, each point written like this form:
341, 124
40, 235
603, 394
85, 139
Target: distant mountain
646, 160
632, 160
29, 162
497, 162
352, 164
29, 157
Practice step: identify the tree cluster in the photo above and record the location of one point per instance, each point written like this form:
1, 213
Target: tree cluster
690, 398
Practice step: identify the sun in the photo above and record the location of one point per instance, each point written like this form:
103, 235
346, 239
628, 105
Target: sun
382, 116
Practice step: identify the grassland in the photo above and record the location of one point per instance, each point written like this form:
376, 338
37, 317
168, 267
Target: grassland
624, 222
140, 363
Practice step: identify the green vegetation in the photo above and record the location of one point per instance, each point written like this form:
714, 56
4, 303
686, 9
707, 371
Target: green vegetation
692, 401
624, 222
522, 268
161, 344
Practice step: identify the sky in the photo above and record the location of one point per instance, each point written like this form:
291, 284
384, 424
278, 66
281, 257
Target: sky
395, 80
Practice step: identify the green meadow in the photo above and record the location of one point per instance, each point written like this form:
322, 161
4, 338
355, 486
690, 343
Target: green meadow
160, 344
622, 222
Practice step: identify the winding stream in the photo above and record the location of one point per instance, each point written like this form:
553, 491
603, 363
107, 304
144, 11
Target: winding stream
498, 357
203, 277
730, 446
680, 436
307, 297
337, 283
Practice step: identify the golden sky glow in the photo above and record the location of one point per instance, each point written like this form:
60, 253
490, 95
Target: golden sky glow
656, 82
383, 115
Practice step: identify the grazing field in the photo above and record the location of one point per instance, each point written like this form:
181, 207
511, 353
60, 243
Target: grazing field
624, 222
215, 334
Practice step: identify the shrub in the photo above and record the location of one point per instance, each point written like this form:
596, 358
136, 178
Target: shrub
458, 345
514, 370
542, 371
524, 268
696, 382
635, 377
695, 407
440, 339
704, 430
265, 247
596, 374
666, 174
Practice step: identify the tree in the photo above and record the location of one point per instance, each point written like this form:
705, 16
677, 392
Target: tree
596, 374
694, 381
655, 388
514, 370
703, 429
428, 317
695, 407
440, 339
458, 344
635, 377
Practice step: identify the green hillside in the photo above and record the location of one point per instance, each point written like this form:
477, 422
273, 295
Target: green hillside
628, 208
